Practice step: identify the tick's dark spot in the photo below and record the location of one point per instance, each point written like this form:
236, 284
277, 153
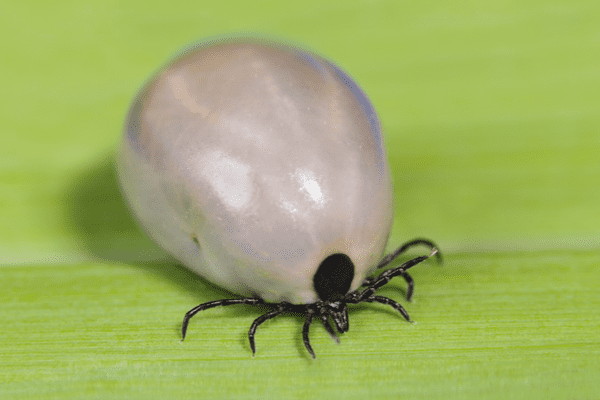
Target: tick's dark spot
195, 240
334, 277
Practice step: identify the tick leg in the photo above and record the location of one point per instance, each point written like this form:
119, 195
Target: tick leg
282, 308
411, 285
409, 280
384, 300
374, 281
217, 303
393, 255
386, 276
305, 328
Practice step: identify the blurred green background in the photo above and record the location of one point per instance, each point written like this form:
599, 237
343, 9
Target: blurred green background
492, 121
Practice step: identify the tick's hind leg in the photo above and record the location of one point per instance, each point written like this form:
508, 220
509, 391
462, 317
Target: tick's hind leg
411, 285
281, 308
409, 281
251, 301
394, 304
369, 281
305, 329
368, 294
387, 275
405, 247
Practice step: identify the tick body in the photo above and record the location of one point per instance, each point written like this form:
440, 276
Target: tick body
261, 167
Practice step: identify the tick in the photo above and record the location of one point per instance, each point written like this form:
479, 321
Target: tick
261, 166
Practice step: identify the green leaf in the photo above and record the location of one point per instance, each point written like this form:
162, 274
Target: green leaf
493, 134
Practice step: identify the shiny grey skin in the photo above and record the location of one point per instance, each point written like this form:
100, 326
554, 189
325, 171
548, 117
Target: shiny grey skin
251, 161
